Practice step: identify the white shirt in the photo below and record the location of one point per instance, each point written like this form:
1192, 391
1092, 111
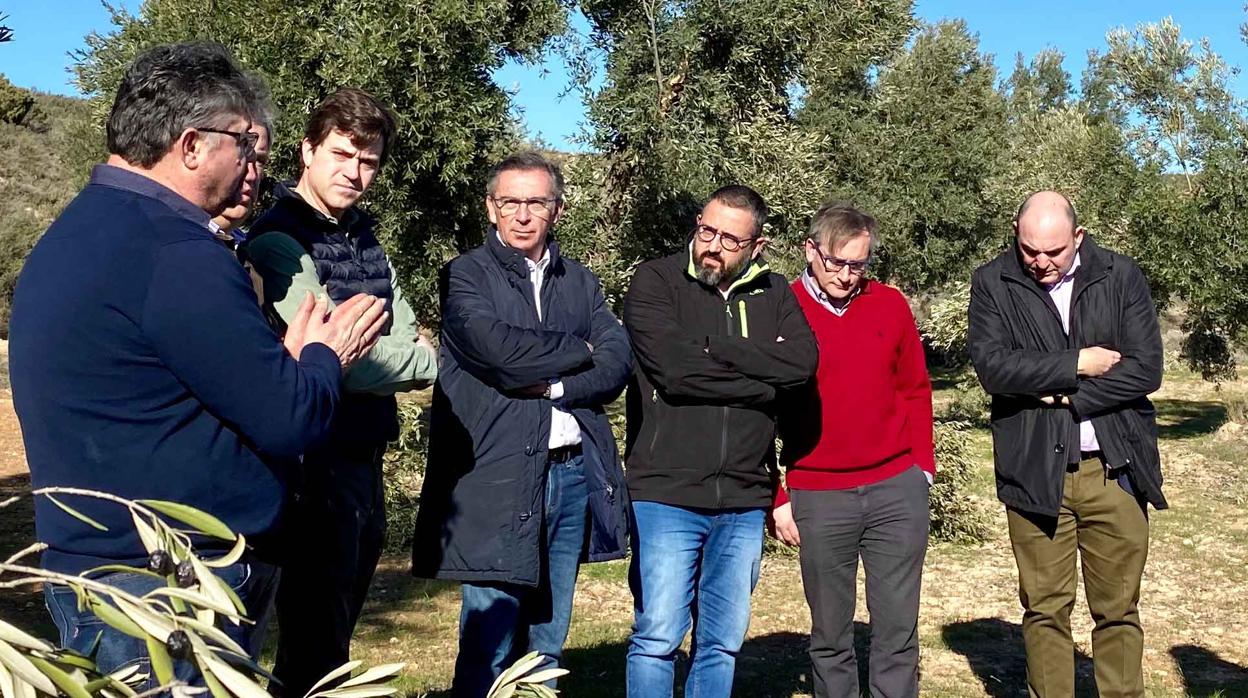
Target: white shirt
564, 429
1062, 293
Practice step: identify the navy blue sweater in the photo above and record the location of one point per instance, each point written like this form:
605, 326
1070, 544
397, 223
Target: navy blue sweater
141, 365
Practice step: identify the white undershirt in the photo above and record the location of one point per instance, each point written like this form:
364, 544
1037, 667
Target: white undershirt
564, 429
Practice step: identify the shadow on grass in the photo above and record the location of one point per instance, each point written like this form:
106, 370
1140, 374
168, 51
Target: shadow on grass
769, 666
393, 588
1186, 419
1206, 674
21, 607
994, 649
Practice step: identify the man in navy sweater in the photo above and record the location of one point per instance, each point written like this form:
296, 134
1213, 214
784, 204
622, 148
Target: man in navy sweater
141, 364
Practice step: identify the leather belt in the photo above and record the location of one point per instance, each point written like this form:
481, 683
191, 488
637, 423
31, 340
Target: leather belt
563, 454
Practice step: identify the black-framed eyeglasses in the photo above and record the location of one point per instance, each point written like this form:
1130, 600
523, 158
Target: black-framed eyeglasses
542, 208
834, 265
728, 241
246, 140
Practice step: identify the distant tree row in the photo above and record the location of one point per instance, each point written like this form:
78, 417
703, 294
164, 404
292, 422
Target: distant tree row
802, 99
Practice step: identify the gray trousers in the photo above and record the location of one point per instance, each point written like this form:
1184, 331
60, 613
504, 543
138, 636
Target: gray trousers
885, 523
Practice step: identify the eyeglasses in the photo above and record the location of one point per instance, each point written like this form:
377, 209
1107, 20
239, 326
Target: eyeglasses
729, 242
834, 265
246, 140
542, 208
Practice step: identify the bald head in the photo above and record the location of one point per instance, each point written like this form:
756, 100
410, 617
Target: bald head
1048, 202
1048, 236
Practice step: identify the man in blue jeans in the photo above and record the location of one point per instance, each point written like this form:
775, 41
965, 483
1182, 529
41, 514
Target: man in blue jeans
141, 364
523, 480
715, 335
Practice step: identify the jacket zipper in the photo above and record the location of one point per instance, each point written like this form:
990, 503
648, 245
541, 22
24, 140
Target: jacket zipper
654, 438
723, 438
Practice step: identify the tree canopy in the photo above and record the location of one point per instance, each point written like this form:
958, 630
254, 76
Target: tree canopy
802, 100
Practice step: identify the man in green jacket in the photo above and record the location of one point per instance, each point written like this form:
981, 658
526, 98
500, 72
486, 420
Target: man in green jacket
315, 239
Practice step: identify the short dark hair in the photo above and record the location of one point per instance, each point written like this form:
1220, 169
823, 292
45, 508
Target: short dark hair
744, 198
354, 111
836, 222
173, 87
1070, 208
526, 160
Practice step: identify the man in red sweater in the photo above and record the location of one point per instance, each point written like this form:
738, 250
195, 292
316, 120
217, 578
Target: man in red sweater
858, 450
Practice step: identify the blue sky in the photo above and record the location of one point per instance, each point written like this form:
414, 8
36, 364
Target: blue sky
45, 31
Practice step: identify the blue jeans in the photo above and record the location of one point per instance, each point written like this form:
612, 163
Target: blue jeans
691, 568
499, 623
254, 582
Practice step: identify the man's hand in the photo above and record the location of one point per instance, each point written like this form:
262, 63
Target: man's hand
296, 328
1096, 361
351, 330
782, 525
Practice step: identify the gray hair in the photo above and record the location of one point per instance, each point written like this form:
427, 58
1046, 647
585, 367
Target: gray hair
527, 160
173, 87
835, 223
264, 112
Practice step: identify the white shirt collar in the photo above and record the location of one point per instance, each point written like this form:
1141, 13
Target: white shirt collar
1070, 275
821, 297
541, 264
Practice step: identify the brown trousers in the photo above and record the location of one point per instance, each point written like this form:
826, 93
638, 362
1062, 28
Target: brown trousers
1109, 528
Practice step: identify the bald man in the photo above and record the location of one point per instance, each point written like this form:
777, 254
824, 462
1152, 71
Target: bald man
1064, 337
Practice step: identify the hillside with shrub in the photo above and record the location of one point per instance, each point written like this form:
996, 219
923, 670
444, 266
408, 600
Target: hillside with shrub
40, 137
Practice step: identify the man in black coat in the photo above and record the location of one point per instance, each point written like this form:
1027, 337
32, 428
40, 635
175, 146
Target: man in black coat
524, 478
1064, 336
716, 335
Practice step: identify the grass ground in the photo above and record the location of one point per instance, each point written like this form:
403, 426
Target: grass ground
1193, 605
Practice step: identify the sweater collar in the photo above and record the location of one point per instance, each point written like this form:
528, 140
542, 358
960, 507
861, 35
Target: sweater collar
821, 297
135, 183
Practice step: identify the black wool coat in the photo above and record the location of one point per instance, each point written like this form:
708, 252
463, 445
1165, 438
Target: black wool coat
1020, 353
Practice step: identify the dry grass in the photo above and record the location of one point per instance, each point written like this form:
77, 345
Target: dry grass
1195, 588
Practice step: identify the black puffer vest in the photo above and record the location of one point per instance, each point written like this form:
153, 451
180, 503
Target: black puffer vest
349, 260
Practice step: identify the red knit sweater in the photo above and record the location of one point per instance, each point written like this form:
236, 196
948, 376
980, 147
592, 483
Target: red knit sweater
867, 415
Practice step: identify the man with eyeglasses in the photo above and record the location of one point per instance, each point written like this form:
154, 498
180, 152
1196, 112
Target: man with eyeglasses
1064, 337
316, 240
859, 457
228, 224
142, 365
523, 480
716, 336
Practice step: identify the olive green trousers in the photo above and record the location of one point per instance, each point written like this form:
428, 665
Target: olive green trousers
1106, 528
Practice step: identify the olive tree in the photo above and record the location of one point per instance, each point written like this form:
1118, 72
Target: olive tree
431, 62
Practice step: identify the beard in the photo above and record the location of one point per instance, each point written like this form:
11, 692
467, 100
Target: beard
713, 276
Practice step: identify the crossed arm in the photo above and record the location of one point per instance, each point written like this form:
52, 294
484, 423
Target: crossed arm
717, 370
499, 354
1094, 379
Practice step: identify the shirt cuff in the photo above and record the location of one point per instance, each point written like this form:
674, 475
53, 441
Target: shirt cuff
556, 390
